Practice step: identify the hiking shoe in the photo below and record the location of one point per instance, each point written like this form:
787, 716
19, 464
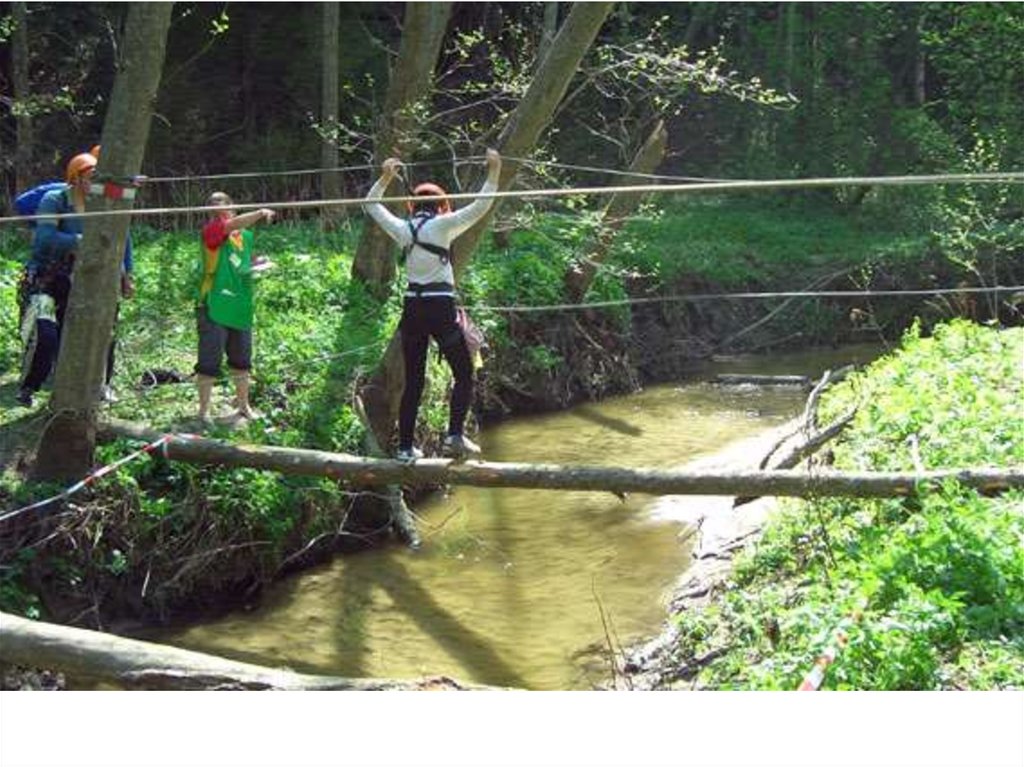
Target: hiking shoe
248, 413
460, 446
24, 397
409, 455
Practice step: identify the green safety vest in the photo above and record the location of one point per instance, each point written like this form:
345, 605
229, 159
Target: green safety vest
229, 301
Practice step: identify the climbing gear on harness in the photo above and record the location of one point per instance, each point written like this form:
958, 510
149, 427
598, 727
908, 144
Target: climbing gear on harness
444, 254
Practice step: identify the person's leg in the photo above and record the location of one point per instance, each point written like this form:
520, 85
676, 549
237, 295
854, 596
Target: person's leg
239, 346
456, 353
41, 339
414, 355
452, 343
212, 339
110, 351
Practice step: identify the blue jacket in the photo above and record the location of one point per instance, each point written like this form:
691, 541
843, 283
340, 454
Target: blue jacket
54, 238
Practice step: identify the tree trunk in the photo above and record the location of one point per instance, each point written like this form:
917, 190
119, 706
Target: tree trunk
618, 207
67, 443
21, 85
548, 30
411, 81
135, 664
438, 471
520, 135
330, 182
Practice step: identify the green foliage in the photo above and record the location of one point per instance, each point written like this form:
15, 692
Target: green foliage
929, 591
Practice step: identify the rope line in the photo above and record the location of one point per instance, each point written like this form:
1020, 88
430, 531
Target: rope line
697, 297
421, 163
101, 472
716, 186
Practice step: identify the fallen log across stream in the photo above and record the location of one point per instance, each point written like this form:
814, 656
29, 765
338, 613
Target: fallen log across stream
799, 483
134, 664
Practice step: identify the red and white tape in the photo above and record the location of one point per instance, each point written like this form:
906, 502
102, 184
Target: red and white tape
100, 472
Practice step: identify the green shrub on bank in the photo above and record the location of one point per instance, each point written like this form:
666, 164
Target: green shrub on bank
928, 591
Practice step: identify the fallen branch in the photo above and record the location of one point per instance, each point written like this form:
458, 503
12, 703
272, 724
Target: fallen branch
134, 664
438, 471
733, 379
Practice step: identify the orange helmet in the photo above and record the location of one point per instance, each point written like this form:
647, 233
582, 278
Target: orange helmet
431, 190
95, 151
78, 165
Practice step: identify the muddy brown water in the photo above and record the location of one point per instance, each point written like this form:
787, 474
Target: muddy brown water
521, 588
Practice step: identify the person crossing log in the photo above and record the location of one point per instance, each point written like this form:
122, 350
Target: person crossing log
370, 471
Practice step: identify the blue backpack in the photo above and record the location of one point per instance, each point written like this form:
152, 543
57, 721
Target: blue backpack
27, 203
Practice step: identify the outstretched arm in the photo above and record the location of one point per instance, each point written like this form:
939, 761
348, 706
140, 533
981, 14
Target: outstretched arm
395, 227
458, 222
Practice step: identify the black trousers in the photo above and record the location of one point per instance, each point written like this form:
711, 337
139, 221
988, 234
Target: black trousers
423, 318
40, 354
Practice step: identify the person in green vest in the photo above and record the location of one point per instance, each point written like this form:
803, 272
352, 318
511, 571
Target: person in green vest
224, 307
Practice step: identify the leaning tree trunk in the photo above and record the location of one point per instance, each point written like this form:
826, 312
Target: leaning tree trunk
330, 182
21, 87
67, 444
411, 80
620, 206
530, 118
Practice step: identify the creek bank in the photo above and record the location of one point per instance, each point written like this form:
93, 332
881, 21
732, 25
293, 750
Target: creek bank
112, 573
720, 531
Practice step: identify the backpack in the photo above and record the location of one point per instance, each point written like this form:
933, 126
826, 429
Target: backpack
443, 253
27, 203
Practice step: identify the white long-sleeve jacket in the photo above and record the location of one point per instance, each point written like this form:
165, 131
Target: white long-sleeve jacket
423, 267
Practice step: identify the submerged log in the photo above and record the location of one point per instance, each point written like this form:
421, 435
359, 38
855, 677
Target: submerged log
438, 471
733, 379
135, 664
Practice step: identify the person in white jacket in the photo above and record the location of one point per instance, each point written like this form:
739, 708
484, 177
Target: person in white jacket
429, 310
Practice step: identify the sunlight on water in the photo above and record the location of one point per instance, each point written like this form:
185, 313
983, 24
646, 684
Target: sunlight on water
524, 588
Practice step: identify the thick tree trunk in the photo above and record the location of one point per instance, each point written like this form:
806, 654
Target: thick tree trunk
22, 90
618, 207
330, 183
518, 139
411, 81
436, 471
66, 446
144, 665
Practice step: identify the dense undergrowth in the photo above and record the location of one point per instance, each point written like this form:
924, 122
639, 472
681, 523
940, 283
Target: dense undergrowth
153, 538
928, 591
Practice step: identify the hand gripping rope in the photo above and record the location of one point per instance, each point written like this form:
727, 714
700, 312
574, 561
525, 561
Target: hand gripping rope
162, 442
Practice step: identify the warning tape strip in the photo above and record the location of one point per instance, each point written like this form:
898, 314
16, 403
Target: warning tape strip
162, 442
813, 678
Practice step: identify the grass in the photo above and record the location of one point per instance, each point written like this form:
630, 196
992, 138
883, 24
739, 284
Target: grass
928, 590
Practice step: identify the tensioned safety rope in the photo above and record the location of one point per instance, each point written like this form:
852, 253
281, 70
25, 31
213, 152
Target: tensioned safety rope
422, 163
696, 297
715, 186
101, 472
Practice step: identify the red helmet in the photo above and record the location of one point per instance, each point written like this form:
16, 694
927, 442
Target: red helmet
431, 190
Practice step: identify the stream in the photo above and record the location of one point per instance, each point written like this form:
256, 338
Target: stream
512, 587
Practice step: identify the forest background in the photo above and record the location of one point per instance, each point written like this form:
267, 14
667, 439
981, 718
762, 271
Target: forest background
745, 90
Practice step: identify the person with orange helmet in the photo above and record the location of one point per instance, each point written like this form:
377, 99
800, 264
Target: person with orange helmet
430, 310
56, 239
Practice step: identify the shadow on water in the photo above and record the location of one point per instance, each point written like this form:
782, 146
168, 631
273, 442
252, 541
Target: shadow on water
472, 650
592, 414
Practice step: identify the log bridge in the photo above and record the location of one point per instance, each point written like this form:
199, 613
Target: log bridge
360, 470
